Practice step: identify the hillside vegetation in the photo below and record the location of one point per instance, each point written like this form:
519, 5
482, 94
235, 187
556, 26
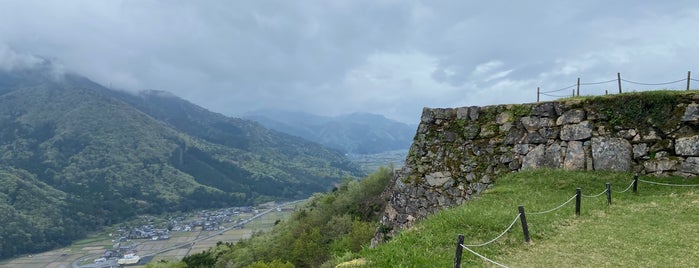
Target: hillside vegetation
330, 227
648, 229
85, 156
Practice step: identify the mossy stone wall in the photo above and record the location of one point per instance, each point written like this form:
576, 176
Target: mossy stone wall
459, 152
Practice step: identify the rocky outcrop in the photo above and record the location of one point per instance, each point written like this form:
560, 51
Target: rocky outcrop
460, 152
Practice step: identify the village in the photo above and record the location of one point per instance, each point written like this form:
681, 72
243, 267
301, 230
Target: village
128, 239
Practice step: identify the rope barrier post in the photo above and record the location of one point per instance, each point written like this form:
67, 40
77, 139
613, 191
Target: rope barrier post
618, 79
578, 86
459, 250
689, 77
635, 183
538, 92
577, 201
525, 228
609, 193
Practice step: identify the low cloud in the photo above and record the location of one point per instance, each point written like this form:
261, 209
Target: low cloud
10, 60
386, 56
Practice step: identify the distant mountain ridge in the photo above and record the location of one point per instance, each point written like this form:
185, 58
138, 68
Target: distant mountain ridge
89, 156
358, 133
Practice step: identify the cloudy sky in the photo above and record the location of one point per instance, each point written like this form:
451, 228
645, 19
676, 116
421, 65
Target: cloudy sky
390, 57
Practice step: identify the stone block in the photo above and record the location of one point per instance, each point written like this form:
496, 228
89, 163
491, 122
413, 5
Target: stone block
549, 132
627, 133
535, 158
532, 123
462, 113
571, 117
640, 150
427, 116
436, 179
503, 118
660, 165
690, 165
521, 149
515, 136
471, 131
575, 156
611, 154
546, 109
473, 112
535, 138
506, 127
575, 132
553, 156
449, 136
687, 146
691, 113
650, 136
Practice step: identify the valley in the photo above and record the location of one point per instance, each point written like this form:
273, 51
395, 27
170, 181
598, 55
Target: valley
369, 163
238, 223
86, 157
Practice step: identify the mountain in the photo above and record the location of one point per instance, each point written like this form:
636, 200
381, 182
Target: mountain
358, 133
85, 156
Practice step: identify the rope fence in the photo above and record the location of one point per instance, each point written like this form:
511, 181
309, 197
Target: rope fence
498, 237
483, 257
653, 84
556, 208
668, 184
619, 80
525, 229
597, 195
627, 188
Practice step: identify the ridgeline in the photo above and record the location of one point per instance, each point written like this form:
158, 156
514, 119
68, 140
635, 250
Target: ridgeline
76, 156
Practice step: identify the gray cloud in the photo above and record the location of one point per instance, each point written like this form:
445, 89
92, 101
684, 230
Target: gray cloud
329, 57
11, 60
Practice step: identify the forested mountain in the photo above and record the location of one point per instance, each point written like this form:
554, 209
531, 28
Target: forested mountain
85, 156
357, 133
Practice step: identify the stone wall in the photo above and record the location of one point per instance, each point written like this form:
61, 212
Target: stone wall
459, 152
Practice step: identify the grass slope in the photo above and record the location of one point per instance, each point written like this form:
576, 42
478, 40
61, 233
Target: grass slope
653, 228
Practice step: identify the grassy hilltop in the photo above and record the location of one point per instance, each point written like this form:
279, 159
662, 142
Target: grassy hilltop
648, 229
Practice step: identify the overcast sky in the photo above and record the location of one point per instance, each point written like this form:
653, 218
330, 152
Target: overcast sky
335, 57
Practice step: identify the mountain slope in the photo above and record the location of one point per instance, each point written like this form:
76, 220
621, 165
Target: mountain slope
110, 155
354, 133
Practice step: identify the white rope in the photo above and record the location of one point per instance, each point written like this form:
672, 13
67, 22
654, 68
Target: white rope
501, 234
667, 184
627, 188
553, 209
593, 196
483, 257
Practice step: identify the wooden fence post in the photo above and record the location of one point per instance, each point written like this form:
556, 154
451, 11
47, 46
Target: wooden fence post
525, 228
577, 201
635, 183
459, 250
537, 94
609, 193
618, 79
578, 86
689, 77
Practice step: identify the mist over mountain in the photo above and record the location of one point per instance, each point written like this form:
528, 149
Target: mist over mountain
85, 156
357, 133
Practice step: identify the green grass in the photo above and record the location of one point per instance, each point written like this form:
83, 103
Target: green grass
97, 239
659, 92
654, 228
